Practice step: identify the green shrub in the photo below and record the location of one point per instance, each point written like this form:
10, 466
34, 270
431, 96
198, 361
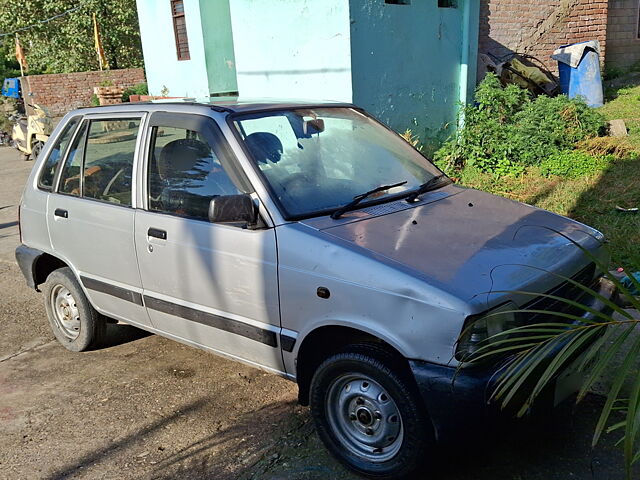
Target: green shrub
508, 130
95, 101
139, 89
574, 164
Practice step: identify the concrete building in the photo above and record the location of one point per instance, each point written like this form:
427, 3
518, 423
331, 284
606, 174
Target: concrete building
409, 62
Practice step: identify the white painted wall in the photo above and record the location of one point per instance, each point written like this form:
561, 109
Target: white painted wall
184, 78
292, 48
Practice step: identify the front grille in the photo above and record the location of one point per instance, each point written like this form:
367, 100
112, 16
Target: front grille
565, 290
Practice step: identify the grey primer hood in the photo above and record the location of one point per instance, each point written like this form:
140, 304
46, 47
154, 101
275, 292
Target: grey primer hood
469, 243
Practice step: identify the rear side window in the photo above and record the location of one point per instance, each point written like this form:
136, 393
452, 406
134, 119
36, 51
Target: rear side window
58, 150
100, 161
108, 160
185, 173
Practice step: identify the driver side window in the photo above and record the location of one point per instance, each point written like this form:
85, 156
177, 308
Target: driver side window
184, 173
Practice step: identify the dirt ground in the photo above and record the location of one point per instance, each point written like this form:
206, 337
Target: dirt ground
144, 407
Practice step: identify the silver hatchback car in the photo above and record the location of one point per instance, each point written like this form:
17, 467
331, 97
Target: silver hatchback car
304, 239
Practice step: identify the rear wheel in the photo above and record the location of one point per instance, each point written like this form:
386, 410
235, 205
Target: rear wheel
75, 323
368, 414
36, 148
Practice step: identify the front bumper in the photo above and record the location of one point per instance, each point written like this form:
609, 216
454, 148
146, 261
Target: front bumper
459, 399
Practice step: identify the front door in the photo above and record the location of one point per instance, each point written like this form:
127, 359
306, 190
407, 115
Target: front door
91, 214
208, 284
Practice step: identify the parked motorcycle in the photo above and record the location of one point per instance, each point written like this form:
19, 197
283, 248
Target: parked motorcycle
30, 132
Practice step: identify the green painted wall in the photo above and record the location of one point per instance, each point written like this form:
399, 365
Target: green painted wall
218, 46
407, 62
410, 65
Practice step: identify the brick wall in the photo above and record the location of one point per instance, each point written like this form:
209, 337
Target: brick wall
63, 92
538, 27
623, 47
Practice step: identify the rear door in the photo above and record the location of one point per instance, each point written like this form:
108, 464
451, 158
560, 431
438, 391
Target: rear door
91, 213
212, 285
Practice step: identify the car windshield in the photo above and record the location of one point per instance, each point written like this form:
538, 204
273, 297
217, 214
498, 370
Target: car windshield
316, 160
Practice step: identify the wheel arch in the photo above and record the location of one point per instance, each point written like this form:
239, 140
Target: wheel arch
44, 265
327, 340
36, 265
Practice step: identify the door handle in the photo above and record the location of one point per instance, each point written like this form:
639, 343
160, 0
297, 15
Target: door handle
157, 233
61, 213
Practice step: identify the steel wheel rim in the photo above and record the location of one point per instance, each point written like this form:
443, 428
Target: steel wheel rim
364, 417
65, 311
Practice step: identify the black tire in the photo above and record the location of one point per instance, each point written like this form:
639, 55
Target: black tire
370, 366
36, 148
83, 327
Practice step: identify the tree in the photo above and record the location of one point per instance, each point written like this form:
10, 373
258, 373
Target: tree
8, 65
66, 44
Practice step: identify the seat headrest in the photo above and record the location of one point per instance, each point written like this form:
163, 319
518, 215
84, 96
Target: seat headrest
181, 156
264, 146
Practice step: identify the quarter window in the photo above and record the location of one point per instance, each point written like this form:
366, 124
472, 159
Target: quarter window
184, 173
57, 152
71, 176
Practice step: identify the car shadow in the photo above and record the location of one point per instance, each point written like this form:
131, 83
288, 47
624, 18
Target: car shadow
119, 334
551, 446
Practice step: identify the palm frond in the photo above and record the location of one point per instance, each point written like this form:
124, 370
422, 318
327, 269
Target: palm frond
590, 340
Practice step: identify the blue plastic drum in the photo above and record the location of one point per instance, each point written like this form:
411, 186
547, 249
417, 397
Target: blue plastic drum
584, 80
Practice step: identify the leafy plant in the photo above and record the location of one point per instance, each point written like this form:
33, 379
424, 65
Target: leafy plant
574, 164
508, 130
139, 89
581, 338
95, 101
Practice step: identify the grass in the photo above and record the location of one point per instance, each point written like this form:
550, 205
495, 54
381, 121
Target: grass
625, 104
591, 199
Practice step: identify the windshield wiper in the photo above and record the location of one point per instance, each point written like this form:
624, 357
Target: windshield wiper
425, 187
358, 198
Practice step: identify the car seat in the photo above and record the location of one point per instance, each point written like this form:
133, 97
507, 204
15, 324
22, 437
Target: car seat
183, 165
265, 147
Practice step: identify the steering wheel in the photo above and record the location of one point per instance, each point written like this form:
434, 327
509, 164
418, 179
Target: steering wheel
105, 192
296, 181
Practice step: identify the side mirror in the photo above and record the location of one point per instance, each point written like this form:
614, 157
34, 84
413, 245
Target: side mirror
233, 209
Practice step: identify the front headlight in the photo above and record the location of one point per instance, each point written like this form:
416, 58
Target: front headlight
478, 330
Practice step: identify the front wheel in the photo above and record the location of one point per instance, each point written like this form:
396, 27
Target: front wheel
368, 414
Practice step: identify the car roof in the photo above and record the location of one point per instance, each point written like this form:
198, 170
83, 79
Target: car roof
229, 104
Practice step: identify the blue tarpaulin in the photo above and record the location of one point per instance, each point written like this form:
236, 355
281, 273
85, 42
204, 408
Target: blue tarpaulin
11, 87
